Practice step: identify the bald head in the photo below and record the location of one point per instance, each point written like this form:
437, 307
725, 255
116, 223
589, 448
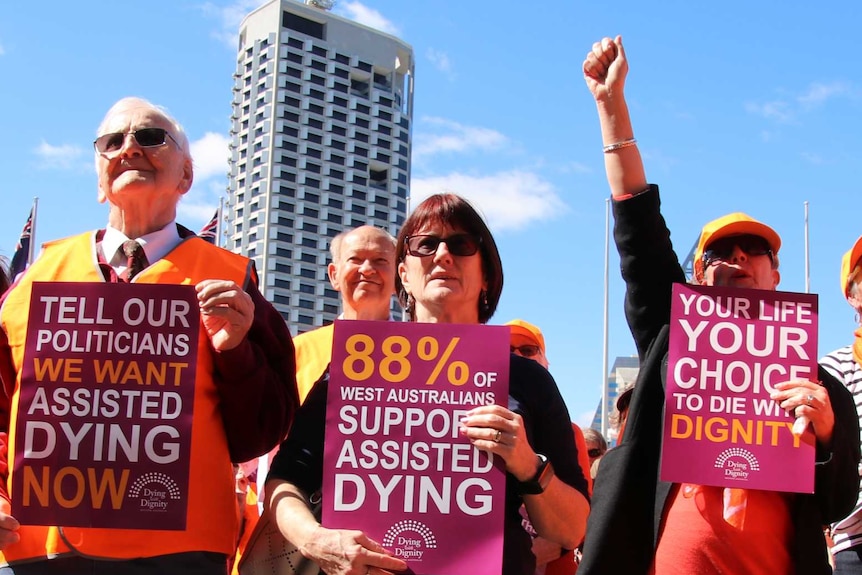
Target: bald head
363, 271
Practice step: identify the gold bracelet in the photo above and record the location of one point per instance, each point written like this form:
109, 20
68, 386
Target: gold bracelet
619, 145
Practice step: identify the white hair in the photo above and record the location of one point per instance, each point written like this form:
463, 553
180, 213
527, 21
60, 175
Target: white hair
124, 103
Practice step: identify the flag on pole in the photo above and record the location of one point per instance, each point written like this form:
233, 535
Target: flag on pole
21, 259
210, 231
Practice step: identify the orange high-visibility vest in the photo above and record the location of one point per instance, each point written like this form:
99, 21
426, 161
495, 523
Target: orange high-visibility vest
211, 515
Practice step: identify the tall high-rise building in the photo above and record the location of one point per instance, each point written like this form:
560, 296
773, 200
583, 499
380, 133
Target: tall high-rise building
320, 143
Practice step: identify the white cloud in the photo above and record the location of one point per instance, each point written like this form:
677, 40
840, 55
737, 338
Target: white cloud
63, 157
453, 137
777, 110
440, 60
819, 93
576, 168
199, 204
787, 110
210, 155
229, 18
195, 211
359, 12
812, 158
509, 200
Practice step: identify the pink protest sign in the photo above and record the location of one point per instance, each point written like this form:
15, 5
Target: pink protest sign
103, 432
728, 347
395, 465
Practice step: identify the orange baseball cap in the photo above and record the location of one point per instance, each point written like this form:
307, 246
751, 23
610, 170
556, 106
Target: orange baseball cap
848, 264
521, 327
735, 224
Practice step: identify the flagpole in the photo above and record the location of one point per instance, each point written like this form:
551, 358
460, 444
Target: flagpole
218, 221
604, 404
807, 260
33, 231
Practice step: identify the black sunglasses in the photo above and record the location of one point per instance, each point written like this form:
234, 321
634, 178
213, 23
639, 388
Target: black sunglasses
722, 249
145, 137
525, 350
594, 452
423, 245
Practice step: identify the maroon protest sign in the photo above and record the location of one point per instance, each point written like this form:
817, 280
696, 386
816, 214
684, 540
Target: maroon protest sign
103, 433
728, 347
395, 465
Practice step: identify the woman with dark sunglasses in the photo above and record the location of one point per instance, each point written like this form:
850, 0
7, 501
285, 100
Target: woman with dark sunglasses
449, 271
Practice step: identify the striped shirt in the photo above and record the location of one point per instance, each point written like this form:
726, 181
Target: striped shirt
847, 533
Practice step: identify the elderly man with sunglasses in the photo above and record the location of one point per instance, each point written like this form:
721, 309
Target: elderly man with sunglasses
682, 529
244, 389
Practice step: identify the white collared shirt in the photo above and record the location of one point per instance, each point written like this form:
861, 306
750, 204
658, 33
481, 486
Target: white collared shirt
156, 245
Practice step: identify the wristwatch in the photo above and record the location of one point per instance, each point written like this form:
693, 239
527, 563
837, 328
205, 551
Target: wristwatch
539, 482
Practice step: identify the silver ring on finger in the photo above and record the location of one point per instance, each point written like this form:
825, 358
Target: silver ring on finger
497, 436
809, 399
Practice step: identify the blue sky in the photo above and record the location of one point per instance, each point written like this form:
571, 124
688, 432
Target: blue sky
737, 106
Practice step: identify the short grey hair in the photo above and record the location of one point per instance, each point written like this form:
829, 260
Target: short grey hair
594, 436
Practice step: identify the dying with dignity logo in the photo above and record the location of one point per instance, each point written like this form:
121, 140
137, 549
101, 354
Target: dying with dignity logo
409, 539
738, 463
154, 491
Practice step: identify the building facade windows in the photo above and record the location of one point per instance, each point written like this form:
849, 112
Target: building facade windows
339, 108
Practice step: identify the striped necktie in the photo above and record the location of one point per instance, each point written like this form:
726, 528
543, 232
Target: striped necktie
136, 259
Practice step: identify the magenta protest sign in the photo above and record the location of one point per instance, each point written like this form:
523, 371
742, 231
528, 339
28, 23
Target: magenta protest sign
103, 431
728, 347
395, 465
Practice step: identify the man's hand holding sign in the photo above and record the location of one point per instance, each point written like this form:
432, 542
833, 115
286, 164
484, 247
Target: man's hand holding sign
227, 312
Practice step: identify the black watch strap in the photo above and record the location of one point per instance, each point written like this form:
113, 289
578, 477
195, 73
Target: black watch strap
539, 482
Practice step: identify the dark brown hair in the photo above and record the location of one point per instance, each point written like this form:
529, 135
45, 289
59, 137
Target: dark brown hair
455, 212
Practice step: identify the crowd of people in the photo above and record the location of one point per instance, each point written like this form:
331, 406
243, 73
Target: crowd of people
259, 412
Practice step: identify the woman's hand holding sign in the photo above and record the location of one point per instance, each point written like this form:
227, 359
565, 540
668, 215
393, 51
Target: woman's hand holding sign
349, 552
336, 551
497, 430
809, 402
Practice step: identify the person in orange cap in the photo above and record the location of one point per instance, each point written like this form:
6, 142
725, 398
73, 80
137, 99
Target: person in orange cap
846, 365
669, 528
527, 341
